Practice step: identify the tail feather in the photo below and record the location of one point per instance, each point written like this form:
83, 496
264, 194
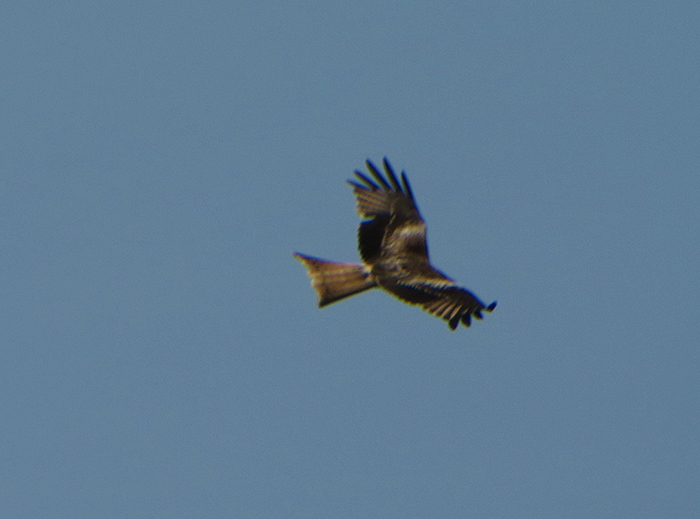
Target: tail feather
333, 281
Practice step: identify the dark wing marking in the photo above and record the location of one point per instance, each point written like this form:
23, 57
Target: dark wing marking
370, 235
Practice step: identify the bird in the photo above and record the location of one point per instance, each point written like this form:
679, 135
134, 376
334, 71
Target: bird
394, 251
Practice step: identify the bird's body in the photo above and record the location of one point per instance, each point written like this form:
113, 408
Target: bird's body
394, 250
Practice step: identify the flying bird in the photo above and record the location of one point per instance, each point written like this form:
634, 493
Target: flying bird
394, 251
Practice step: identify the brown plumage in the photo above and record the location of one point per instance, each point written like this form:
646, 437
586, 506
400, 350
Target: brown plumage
394, 252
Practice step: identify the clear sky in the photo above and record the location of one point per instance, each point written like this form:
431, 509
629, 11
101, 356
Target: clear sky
161, 354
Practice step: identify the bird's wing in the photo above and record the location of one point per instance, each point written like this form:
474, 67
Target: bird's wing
391, 223
437, 294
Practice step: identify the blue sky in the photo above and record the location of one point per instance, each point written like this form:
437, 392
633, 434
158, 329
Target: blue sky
161, 352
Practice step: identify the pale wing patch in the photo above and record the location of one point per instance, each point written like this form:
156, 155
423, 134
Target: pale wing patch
411, 232
435, 285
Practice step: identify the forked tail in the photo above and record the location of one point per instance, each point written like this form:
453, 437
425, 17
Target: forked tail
333, 281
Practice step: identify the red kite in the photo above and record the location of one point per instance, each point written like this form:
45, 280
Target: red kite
394, 253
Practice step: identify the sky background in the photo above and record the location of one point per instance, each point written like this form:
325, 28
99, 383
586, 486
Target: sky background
161, 353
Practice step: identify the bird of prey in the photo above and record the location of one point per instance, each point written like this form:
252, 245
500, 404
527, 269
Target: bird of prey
394, 252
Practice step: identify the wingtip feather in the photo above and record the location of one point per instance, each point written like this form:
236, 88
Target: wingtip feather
406, 186
392, 176
366, 180
377, 175
467, 320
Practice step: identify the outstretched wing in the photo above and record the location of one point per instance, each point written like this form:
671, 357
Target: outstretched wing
392, 242
392, 225
437, 294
